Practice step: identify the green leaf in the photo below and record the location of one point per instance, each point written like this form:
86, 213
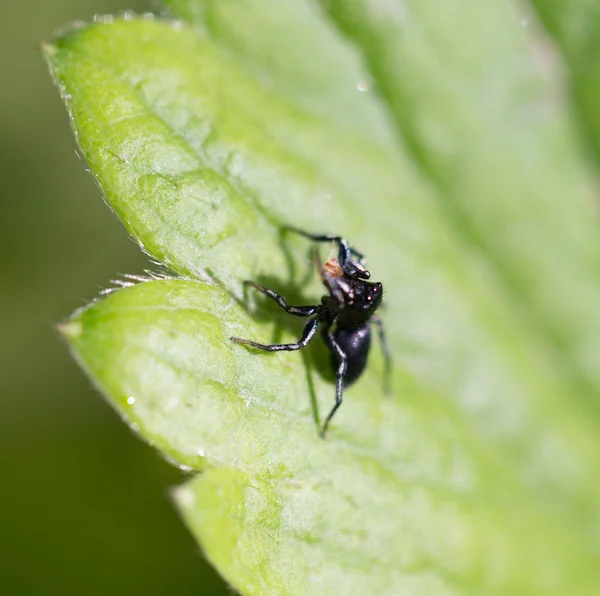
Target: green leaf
432, 140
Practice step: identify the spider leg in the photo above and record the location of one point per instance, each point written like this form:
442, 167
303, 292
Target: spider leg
386, 353
299, 311
309, 332
345, 251
340, 374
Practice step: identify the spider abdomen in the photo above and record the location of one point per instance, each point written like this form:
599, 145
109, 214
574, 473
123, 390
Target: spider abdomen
355, 343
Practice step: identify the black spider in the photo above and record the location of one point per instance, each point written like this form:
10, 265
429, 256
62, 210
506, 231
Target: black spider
343, 316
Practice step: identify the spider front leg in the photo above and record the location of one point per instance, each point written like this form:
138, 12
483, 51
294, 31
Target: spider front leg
340, 374
309, 332
345, 250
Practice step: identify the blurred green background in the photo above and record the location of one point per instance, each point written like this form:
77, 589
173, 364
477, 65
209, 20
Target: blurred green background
85, 506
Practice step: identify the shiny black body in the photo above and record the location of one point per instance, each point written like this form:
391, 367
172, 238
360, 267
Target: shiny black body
344, 316
355, 344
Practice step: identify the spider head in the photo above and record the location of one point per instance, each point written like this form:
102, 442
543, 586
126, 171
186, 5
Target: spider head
355, 299
371, 296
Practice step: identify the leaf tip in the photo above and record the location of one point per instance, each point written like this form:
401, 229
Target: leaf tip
48, 50
184, 497
71, 329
